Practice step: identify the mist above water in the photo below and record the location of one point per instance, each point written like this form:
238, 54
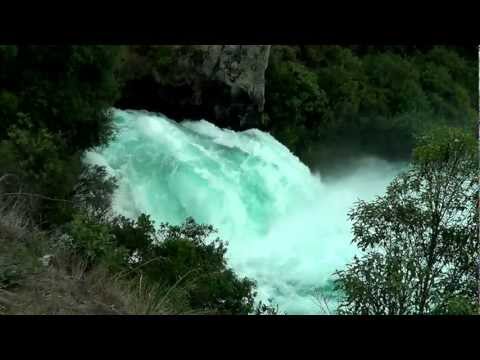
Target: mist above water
287, 228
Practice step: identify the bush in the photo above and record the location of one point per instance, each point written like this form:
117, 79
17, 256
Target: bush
457, 305
294, 102
93, 191
44, 172
54, 104
185, 257
182, 262
94, 242
68, 90
8, 110
10, 274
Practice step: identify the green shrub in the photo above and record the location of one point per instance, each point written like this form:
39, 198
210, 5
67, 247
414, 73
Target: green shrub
457, 305
54, 104
295, 102
188, 252
187, 259
8, 110
45, 172
94, 243
67, 90
10, 275
93, 191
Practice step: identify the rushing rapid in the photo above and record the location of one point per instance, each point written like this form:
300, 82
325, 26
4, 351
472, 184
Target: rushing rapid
286, 227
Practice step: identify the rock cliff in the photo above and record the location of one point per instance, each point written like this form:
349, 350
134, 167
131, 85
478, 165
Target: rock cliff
224, 84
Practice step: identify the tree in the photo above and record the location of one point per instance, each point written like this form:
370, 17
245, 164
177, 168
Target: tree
54, 104
69, 89
295, 102
419, 242
391, 93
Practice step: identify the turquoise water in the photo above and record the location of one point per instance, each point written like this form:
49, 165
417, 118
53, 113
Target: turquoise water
286, 227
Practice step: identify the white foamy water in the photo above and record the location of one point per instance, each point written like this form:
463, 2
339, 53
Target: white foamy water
286, 228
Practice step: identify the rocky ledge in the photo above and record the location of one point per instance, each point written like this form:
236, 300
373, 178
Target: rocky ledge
224, 84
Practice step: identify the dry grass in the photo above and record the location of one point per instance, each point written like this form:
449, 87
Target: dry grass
14, 227
56, 292
64, 287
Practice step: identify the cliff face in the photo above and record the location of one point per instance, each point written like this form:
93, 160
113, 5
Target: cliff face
224, 84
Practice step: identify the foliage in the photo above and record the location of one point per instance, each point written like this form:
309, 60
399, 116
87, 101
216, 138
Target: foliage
37, 154
8, 105
296, 101
185, 257
54, 104
94, 242
419, 242
138, 236
142, 61
9, 275
266, 309
390, 93
38, 160
93, 191
68, 90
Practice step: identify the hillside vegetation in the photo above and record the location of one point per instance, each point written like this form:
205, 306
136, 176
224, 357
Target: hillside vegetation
62, 251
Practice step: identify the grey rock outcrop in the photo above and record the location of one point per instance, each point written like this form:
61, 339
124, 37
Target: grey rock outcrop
224, 84
242, 67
